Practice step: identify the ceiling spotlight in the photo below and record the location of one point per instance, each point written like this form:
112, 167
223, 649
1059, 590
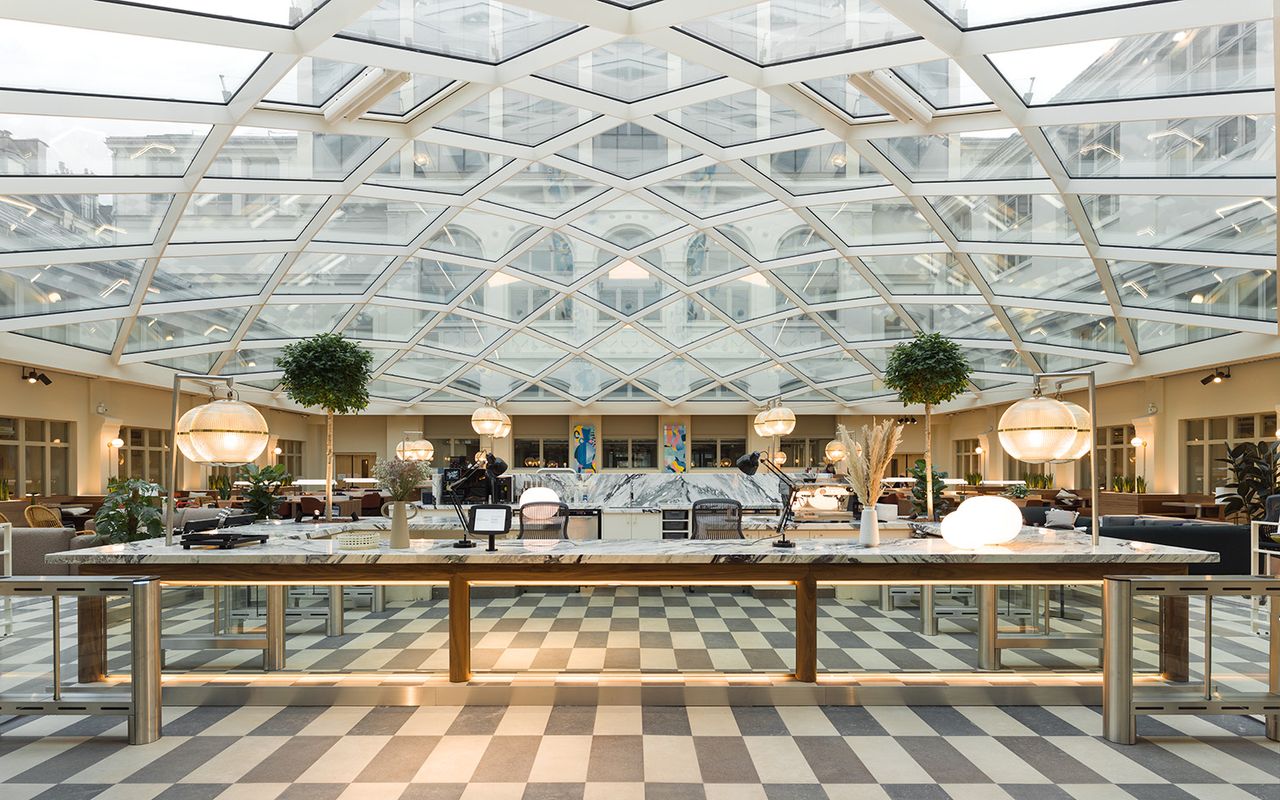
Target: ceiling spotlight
1217, 376
31, 376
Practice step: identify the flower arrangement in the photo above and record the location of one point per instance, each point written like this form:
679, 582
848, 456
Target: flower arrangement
400, 478
870, 453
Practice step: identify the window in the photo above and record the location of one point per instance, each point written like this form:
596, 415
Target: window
1017, 470
1117, 457
290, 456
638, 453
535, 453
457, 447
716, 453
144, 454
35, 456
805, 453
1207, 440
968, 460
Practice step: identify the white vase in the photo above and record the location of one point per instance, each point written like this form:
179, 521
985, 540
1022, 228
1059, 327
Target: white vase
869, 534
399, 523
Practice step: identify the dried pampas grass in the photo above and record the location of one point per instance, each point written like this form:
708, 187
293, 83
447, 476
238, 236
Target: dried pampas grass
870, 453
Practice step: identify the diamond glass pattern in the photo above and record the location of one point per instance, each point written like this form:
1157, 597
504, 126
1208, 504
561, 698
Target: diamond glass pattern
206, 277
59, 288
435, 167
628, 70
36, 222
740, 118
628, 151
516, 117
296, 320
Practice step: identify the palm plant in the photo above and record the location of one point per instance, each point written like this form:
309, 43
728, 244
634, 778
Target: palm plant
1255, 473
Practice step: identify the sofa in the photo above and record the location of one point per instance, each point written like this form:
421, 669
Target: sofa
31, 545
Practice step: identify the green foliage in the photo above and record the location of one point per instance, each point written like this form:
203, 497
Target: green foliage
973, 478
4, 490
401, 477
1038, 481
918, 501
1140, 484
263, 482
131, 511
221, 484
1017, 490
327, 371
1255, 472
929, 369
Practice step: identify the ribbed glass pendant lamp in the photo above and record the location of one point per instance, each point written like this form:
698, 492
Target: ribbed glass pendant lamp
486, 420
223, 433
415, 448
1038, 430
1084, 429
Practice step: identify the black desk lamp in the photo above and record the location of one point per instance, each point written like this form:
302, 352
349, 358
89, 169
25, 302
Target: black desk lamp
492, 468
749, 465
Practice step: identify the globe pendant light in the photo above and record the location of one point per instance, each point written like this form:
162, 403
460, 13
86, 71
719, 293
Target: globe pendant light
223, 433
1084, 430
835, 451
415, 448
504, 430
779, 421
760, 425
1038, 429
486, 420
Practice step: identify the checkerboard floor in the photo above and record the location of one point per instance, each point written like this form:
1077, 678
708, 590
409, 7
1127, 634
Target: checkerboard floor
624, 752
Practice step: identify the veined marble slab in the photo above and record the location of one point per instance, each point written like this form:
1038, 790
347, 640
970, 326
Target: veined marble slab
655, 489
1033, 545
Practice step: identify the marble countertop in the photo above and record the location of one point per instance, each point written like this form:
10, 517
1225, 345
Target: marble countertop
1032, 546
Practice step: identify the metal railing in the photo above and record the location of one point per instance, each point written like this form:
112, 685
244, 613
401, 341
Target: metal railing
1121, 703
140, 702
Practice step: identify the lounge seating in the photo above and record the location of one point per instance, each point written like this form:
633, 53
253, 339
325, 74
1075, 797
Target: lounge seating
42, 517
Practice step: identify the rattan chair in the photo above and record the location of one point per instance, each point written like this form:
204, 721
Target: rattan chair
544, 521
716, 519
42, 517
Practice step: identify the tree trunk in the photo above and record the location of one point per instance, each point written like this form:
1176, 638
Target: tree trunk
328, 467
928, 460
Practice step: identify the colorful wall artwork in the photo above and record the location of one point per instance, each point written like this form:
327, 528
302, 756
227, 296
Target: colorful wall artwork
584, 448
674, 450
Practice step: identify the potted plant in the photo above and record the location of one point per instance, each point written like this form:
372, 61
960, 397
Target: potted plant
869, 454
400, 478
221, 486
129, 512
1255, 474
263, 482
330, 372
930, 369
973, 478
920, 494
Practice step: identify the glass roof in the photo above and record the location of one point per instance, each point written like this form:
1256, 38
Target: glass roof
509, 200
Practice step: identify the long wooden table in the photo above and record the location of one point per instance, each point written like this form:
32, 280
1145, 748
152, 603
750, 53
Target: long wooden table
290, 559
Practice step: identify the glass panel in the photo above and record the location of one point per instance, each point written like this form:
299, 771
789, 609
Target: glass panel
478, 30
35, 470
1227, 58
199, 363
943, 84
792, 335
628, 222
683, 322
53, 58
246, 217
572, 322
711, 190
729, 354
971, 156
746, 298
295, 320
825, 281
837, 91
486, 382
480, 235
164, 331
59, 470
251, 359
695, 259
858, 390
390, 390
627, 350
99, 336
628, 151
372, 221
1052, 362
981, 13
836, 366
1008, 361
1038, 218
332, 273
33, 430
430, 367
462, 334
923, 273
825, 168
1086, 331
781, 234
580, 378
789, 30
34, 145
56, 288
1220, 291
676, 378
410, 94
65, 221
769, 382
1221, 147
1152, 335
628, 288
893, 221
749, 116
526, 354
202, 277
628, 70
274, 12
313, 82
868, 324
960, 321
437, 168
560, 258
516, 117
1046, 277
274, 153
1226, 224
507, 297
430, 280
387, 323
545, 191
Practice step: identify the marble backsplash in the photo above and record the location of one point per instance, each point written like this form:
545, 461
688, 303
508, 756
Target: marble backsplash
654, 489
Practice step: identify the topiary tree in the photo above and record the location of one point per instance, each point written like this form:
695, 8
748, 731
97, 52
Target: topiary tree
930, 369
333, 373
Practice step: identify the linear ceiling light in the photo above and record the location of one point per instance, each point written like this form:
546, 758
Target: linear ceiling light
892, 94
363, 93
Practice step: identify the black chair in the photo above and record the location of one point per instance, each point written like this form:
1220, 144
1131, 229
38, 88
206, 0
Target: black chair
544, 521
716, 519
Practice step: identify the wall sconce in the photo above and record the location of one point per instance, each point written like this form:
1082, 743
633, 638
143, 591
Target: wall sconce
116, 443
278, 450
1138, 441
977, 451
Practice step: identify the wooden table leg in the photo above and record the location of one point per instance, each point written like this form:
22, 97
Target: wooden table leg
459, 629
807, 629
91, 629
1175, 653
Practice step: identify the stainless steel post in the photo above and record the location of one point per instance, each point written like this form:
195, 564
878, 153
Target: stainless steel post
144, 680
336, 622
171, 506
273, 656
928, 617
988, 626
1273, 720
1208, 647
886, 597
57, 647
379, 602
1117, 662
1093, 438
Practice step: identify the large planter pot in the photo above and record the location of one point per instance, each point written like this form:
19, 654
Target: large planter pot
400, 517
869, 533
